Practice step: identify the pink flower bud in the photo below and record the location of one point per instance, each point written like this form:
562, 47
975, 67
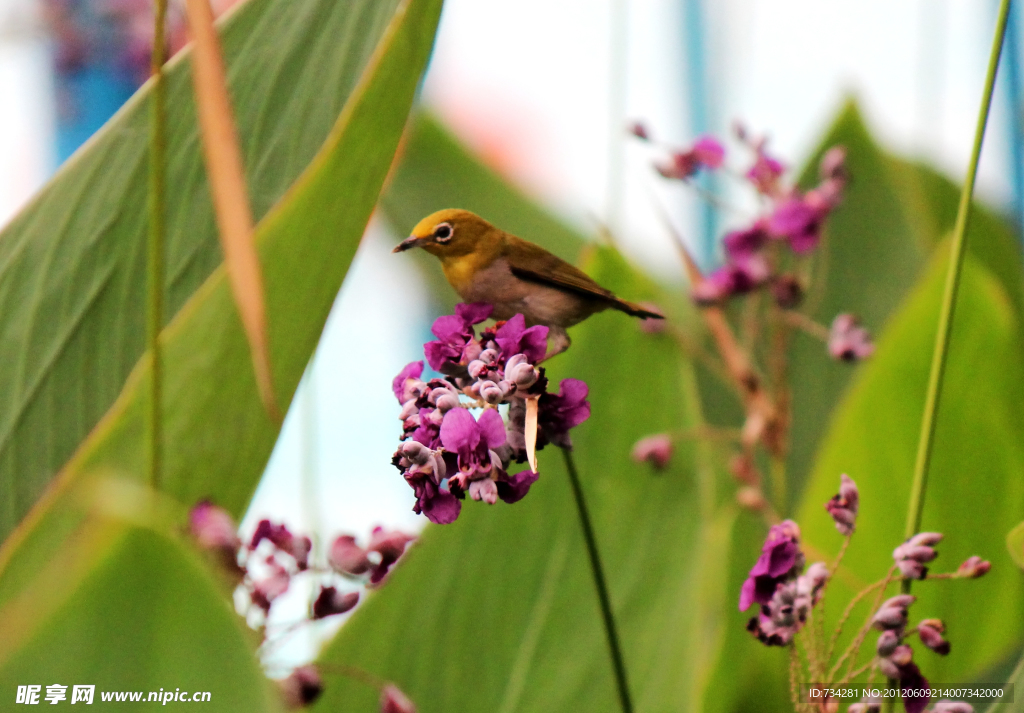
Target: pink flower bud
888, 640
833, 164
751, 499
947, 706
301, 688
930, 632
848, 341
843, 507
656, 450
213, 528
393, 700
902, 655
787, 291
639, 130
974, 567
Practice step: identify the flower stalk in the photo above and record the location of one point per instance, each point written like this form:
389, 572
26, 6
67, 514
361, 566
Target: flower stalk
608, 618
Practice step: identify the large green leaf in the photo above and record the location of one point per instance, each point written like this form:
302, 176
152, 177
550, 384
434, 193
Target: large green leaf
498, 612
72, 264
126, 608
975, 492
218, 437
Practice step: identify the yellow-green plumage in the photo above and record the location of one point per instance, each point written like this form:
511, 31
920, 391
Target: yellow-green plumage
485, 264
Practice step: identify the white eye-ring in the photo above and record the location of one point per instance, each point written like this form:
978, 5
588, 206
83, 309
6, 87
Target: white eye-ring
443, 233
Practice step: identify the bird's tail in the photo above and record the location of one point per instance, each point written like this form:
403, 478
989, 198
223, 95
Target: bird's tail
635, 310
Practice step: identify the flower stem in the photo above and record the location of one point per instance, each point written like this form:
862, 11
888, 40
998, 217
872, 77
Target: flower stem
957, 250
614, 649
155, 258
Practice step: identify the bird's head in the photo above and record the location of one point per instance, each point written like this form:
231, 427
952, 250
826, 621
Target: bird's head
450, 233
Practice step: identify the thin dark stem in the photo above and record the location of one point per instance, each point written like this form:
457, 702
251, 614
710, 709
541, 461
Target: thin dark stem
614, 649
155, 311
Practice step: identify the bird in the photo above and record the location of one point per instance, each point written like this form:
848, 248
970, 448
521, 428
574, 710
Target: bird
486, 264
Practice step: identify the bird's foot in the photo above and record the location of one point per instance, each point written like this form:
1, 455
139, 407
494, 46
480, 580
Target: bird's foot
558, 342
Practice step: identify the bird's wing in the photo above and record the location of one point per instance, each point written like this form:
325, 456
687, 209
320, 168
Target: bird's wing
532, 262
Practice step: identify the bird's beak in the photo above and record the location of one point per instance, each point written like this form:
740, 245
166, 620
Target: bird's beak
411, 242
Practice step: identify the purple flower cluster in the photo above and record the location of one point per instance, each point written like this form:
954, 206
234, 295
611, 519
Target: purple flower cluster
794, 220
266, 564
786, 594
446, 452
764, 254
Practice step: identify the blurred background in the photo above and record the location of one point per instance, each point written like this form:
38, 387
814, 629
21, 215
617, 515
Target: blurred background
542, 90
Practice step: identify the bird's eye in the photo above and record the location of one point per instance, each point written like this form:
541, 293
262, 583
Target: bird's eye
443, 233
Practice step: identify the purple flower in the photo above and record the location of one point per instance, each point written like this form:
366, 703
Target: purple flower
452, 334
516, 486
709, 152
439, 505
844, 505
765, 173
390, 545
514, 338
559, 414
473, 440
656, 450
780, 561
742, 244
330, 602
848, 341
474, 313
911, 677
428, 428
743, 275
423, 469
798, 220
347, 557
401, 386
282, 539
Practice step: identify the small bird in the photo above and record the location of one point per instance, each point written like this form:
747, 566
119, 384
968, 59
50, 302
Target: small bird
485, 264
